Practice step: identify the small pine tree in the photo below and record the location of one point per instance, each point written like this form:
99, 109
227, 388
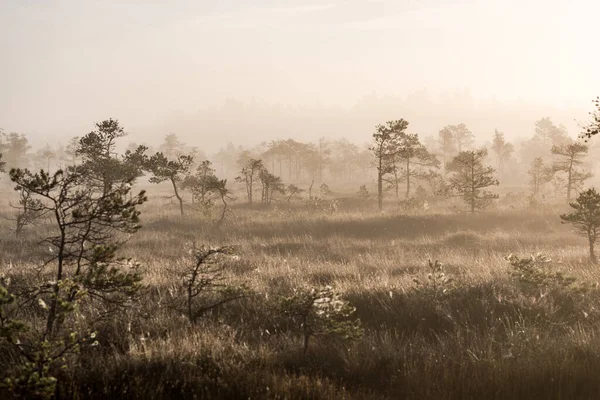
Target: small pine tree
174, 171
322, 313
248, 175
324, 190
203, 282
471, 176
385, 149
363, 193
586, 217
293, 190
438, 284
539, 175
502, 149
89, 223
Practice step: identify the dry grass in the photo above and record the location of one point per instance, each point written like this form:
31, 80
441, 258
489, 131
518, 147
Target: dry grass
485, 339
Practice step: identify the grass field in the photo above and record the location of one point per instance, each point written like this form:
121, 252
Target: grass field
486, 337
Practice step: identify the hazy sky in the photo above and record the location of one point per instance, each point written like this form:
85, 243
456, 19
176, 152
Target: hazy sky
67, 63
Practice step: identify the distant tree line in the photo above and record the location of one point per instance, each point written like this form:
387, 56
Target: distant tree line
401, 164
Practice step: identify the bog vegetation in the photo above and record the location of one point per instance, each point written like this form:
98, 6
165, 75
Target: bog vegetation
409, 267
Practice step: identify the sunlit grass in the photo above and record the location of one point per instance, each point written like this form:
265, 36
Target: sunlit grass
485, 339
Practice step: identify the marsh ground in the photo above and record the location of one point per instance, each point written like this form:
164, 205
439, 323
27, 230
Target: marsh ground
485, 338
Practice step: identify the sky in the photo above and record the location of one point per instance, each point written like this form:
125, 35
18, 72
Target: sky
155, 64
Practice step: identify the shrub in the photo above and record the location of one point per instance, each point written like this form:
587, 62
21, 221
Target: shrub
438, 283
535, 280
322, 313
203, 286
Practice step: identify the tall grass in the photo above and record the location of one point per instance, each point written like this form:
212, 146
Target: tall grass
486, 338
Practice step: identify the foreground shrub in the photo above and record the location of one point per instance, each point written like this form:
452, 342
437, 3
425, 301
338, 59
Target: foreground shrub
203, 287
571, 297
322, 313
87, 220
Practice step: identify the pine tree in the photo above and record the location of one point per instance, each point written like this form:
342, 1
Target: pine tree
502, 149
570, 157
385, 149
539, 175
471, 176
586, 217
412, 154
174, 171
248, 175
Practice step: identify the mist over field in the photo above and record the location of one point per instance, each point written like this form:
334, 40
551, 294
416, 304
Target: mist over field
368, 199
266, 67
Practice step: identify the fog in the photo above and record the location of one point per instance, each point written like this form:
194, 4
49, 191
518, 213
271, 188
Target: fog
318, 199
230, 70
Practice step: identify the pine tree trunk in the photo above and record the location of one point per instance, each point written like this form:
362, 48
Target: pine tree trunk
407, 177
178, 196
380, 184
569, 181
396, 183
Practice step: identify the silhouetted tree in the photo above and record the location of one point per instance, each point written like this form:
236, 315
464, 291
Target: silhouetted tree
83, 238
593, 127
471, 176
174, 171
270, 184
104, 167
172, 147
135, 161
324, 153
44, 156
502, 149
14, 147
455, 137
546, 135
539, 175
446, 143
219, 187
411, 153
550, 134
70, 152
570, 157
586, 217
248, 175
344, 155
29, 210
436, 183
293, 190
385, 149
200, 183
2, 163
